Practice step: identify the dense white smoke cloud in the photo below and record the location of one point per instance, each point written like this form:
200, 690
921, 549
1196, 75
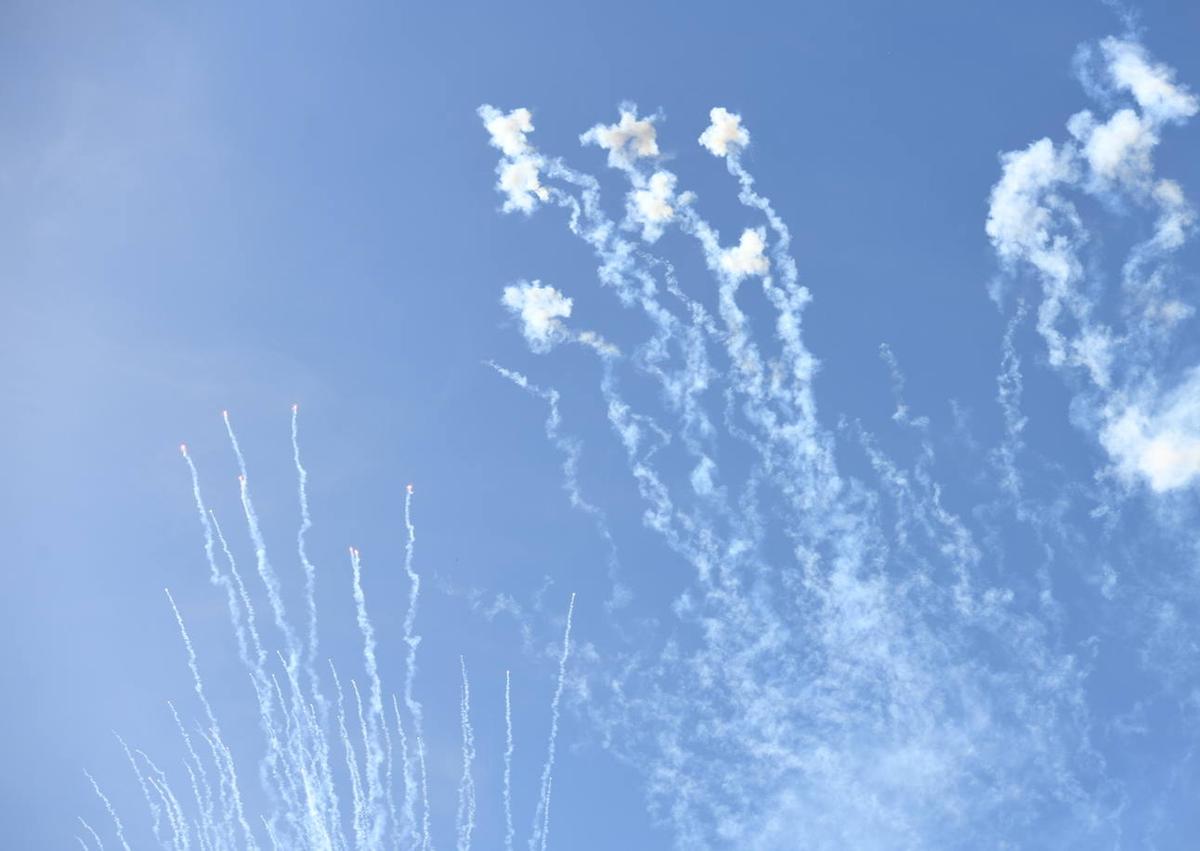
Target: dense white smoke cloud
1161, 439
746, 258
725, 133
1152, 85
652, 207
1149, 428
630, 139
834, 700
520, 180
541, 310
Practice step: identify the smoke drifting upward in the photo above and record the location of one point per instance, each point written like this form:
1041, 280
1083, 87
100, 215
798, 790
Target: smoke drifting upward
316, 798
853, 662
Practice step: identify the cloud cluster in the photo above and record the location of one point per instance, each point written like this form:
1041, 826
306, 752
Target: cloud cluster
630, 139
519, 177
652, 205
724, 133
746, 258
541, 310
1032, 220
1159, 440
875, 690
1152, 85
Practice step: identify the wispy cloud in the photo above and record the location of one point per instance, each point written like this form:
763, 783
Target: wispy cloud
1144, 415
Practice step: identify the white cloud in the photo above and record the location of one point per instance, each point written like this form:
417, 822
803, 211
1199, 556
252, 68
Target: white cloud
1162, 446
1119, 149
541, 310
1152, 85
625, 141
518, 170
1177, 216
508, 131
746, 258
651, 205
519, 181
725, 130
1018, 222
1149, 435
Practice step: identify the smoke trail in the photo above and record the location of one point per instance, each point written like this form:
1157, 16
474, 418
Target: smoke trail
225, 766
351, 761
203, 803
408, 809
120, 829
541, 818
410, 670
265, 571
466, 786
508, 755
179, 823
374, 754
295, 769
310, 574
842, 589
236, 593
208, 522
155, 811
92, 831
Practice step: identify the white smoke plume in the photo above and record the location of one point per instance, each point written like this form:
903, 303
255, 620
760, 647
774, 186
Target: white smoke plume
725, 133
1148, 421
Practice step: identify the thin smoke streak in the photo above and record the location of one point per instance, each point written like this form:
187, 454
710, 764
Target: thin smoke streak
541, 818
117, 825
509, 833
310, 573
465, 818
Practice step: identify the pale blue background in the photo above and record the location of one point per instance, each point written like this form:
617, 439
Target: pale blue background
246, 205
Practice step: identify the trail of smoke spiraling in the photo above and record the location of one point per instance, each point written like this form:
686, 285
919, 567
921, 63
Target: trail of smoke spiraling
618, 263
374, 754
227, 770
508, 755
120, 828
265, 571
541, 818
466, 786
412, 640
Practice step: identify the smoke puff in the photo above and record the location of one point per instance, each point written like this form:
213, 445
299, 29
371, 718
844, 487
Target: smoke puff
541, 310
725, 130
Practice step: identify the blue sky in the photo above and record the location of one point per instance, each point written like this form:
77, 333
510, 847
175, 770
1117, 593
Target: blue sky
938, 595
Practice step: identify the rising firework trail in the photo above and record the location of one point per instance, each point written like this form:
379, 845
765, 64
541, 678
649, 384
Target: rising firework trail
296, 768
